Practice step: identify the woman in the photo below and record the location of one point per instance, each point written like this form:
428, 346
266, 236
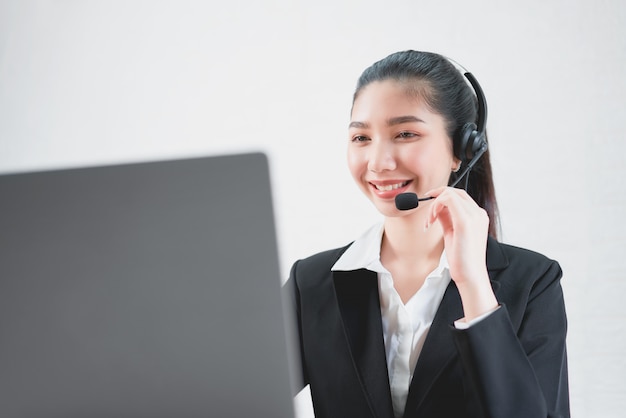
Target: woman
428, 315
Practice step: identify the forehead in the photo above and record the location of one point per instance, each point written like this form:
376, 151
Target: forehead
389, 98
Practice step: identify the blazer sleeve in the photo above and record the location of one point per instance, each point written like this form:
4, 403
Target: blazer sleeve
291, 300
518, 367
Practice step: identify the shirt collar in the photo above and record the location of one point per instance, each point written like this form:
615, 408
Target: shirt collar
364, 253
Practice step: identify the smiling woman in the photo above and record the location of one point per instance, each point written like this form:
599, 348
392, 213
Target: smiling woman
427, 314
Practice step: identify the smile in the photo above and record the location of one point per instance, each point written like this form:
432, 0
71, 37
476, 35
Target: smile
390, 187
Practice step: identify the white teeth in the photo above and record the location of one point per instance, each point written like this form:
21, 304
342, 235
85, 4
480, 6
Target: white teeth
390, 187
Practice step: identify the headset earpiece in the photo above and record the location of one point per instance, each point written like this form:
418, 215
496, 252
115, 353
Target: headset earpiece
471, 138
468, 142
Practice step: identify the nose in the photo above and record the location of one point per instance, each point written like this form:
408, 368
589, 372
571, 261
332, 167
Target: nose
381, 157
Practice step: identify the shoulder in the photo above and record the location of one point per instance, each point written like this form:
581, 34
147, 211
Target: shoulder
317, 265
311, 279
501, 255
521, 268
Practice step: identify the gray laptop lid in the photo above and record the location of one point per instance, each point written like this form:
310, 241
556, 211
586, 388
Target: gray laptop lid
142, 290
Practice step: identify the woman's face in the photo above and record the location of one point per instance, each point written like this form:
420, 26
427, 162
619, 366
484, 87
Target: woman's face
396, 145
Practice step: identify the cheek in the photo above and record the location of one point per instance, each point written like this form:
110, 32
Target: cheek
418, 159
356, 162
429, 159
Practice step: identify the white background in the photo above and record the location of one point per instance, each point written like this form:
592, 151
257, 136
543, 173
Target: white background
98, 82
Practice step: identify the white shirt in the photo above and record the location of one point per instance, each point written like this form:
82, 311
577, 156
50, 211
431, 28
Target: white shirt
405, 326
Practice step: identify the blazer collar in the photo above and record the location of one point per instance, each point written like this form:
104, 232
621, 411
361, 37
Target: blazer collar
438, 349
357, 297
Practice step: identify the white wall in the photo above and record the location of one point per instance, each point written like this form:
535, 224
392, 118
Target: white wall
90, 82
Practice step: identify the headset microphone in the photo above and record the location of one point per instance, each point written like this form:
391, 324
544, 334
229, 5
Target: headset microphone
470, 145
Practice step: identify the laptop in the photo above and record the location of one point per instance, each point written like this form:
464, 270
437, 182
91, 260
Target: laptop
142, 290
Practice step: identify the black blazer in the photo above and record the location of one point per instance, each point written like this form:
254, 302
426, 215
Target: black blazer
512, 364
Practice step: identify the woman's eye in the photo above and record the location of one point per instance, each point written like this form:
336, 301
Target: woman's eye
407, 135
359, 138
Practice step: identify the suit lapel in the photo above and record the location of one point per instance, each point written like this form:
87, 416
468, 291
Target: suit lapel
439, 348
358, 300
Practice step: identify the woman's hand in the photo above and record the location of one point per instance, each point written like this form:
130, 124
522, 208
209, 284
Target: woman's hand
465, 228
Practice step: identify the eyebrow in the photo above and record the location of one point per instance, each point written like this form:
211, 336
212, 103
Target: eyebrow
390, 122
403, 119
359, 125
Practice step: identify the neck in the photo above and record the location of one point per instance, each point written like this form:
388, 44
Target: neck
406, 240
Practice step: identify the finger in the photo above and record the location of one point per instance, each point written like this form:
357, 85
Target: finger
439, 190
440, 210
435, 192
454, 204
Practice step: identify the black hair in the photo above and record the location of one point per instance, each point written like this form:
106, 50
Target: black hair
434, 79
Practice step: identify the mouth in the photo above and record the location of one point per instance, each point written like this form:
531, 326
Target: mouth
389, 188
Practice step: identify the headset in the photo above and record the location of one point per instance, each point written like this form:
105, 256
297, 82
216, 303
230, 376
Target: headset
469, 144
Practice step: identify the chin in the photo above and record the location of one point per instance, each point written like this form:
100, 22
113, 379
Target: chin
389, 210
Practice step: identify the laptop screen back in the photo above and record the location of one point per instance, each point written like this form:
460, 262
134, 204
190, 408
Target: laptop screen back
142, 290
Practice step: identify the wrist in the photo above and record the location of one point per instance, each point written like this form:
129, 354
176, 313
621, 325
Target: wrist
477, 298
